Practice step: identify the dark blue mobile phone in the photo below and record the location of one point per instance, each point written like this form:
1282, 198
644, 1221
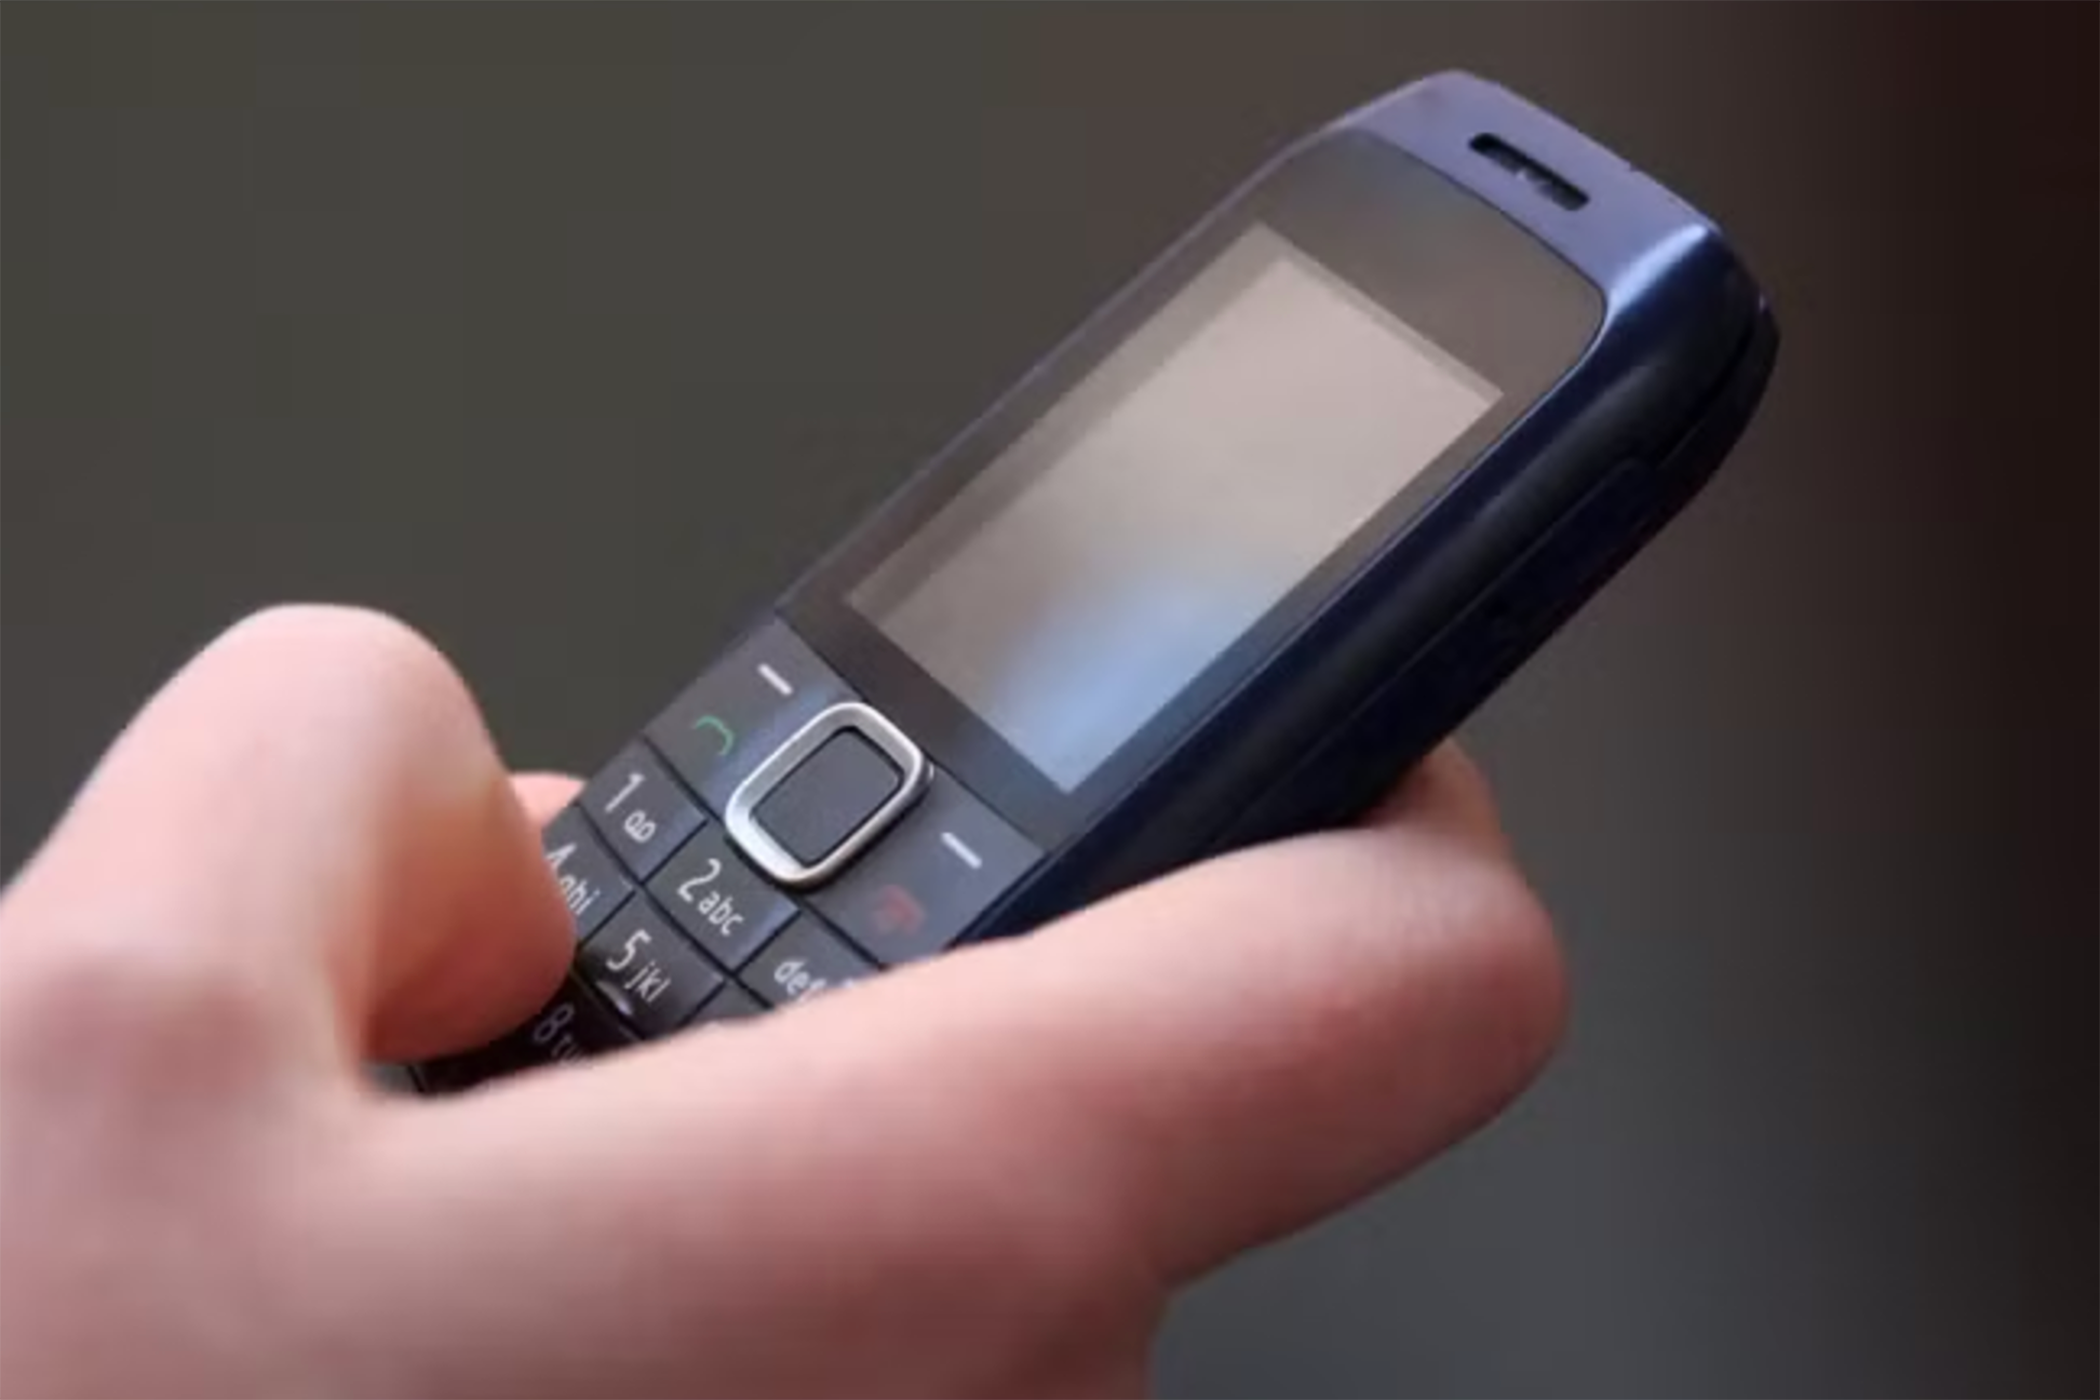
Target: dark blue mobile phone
1241, 549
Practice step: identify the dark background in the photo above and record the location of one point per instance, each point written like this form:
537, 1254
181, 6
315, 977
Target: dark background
569, 334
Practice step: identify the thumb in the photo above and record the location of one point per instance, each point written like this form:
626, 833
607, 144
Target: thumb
308, 830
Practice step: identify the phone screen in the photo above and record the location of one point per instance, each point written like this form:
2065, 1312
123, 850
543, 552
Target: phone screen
1180, 490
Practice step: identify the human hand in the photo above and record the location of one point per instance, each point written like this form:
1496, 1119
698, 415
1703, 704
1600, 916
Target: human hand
981, 1175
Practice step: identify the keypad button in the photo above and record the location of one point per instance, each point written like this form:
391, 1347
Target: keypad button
807, 959
732, 1003
918, 888
591, 882
726, 722
830, 795
726, 907
640, 810
645, 970
572, 1026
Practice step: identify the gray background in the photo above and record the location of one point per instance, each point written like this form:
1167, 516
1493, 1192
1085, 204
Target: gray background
569, 334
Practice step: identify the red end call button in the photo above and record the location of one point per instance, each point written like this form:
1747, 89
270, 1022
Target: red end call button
918, 888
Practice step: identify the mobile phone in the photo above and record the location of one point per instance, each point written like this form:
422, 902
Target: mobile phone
1262, 530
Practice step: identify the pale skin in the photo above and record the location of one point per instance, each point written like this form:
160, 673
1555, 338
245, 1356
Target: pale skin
983, 1175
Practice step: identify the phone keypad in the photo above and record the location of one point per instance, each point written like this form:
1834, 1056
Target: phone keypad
916, 890
725, 905
591, 881
640, 810
646, 970
676, 930
805, 960
732, 1003
573, 1025
728, 721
